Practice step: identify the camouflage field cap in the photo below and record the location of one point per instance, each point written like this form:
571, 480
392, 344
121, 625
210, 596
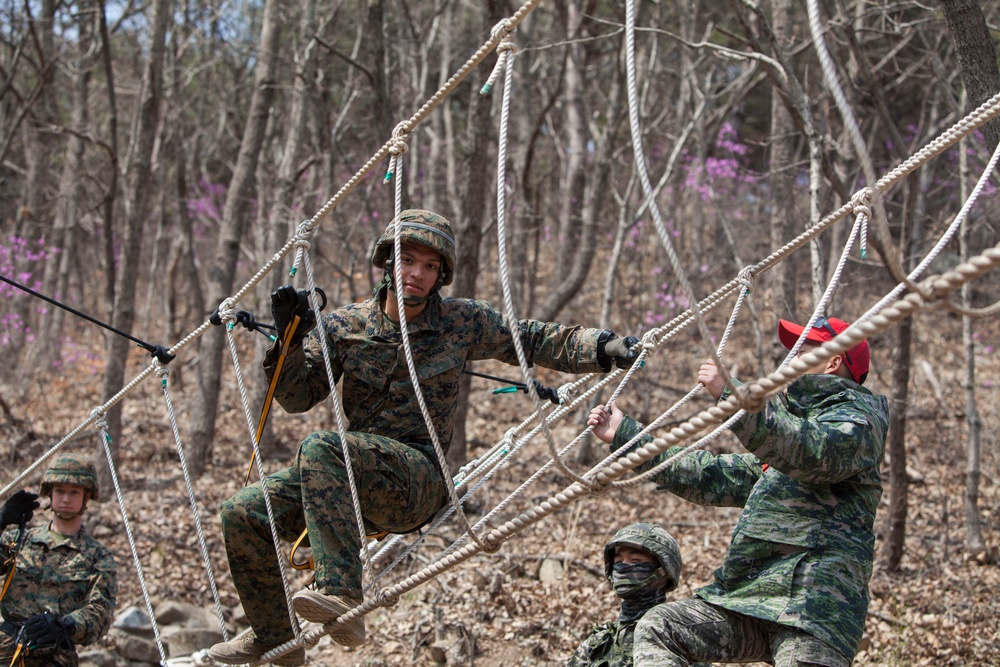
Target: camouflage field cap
426, 228
653, 539
71, 469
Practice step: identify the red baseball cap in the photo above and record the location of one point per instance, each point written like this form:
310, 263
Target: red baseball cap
856, 359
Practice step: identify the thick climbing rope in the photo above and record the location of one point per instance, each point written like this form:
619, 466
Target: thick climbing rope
934, 291
750, 396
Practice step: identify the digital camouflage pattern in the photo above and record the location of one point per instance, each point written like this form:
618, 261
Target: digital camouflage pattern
653, 539
698, 630
609, 645
426, 228
801, 553
70, 469
390, 447
73, 576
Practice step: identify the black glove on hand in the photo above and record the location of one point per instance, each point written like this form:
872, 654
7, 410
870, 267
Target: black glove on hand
623, 351
286, 303
47, 629
19, 507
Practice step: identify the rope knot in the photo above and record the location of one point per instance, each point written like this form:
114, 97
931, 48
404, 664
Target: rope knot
100, 419
745, 278
399, 136
750, 398
648, 341
508, 45
227, 313
162, 371
565, 393
491, 544
386, 599
503, 27
302, 235
597, 488
861, 203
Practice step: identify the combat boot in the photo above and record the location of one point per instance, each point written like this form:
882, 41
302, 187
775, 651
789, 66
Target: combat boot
326, 609
246, 648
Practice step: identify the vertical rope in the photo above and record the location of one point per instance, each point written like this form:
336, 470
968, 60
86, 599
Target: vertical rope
100, 420
164, 373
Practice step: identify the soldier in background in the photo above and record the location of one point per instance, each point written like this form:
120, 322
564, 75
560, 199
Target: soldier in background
642, 563
398, 477
793, 589
62, 591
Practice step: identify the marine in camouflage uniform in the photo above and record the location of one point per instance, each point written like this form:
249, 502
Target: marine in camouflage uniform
793, 588
641, 583
66, 583
399, 480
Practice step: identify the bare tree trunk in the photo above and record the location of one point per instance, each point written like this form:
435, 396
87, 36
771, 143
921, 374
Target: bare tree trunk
36, 209
140, 172
222, 272
782, 175
57, 269
475, 193
276, 231
977, 57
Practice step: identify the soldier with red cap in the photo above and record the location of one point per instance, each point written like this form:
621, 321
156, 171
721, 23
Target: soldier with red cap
793, 588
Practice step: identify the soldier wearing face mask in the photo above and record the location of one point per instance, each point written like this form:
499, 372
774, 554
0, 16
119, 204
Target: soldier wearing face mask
642, 563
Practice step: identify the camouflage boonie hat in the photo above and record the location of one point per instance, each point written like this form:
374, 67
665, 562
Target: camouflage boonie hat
653, 539
426, 228
71, 469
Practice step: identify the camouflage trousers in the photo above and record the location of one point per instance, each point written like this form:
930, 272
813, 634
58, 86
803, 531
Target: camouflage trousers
40, 657
400, 488
676, 634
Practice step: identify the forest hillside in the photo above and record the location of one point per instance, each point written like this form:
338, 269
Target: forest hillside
154, 156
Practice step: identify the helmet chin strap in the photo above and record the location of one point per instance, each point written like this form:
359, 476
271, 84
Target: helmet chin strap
67, 516
408, 299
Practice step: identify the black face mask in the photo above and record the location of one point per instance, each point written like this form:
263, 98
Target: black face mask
640, 586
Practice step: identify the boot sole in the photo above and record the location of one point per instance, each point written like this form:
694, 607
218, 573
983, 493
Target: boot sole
324, 613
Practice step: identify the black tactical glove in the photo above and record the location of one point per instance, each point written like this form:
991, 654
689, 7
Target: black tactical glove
18, 509
623, 351
47, 629
286, 303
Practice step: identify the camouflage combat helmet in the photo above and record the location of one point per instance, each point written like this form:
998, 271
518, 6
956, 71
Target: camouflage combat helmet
426, 228
71, 469
653, 539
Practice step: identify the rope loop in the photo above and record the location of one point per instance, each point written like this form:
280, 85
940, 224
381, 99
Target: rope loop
100, 419
491, 544
566, 393
505, 27
162, 370
386, 599
597, 488
649, 341
302, 235
750, 400
745, 278
399, 136
227, 313
508, 45
861, 203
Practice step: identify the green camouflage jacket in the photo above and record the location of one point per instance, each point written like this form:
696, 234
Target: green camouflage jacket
609, 645
76, 577
801, 553
367, 352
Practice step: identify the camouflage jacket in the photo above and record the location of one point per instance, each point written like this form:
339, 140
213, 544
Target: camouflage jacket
76, 577
367, 352
609, 645
801, 553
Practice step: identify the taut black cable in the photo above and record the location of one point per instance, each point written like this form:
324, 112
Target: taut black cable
158, 351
